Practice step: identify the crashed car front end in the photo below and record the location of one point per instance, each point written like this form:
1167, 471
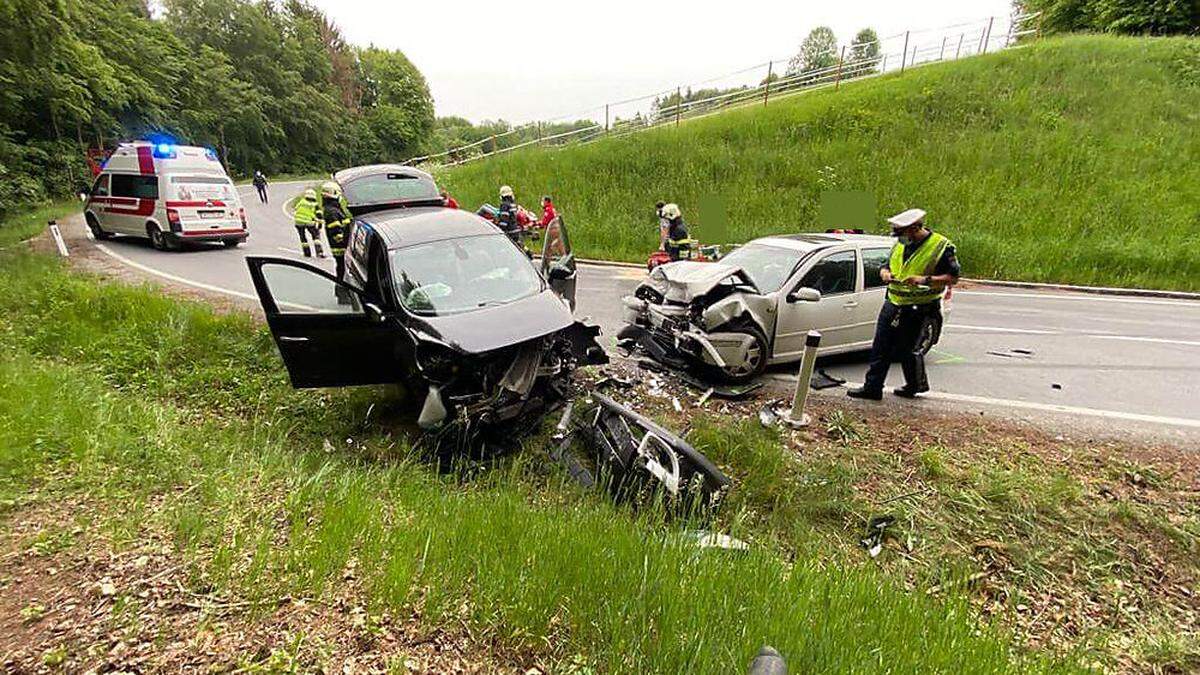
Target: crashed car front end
688, 313
500, 385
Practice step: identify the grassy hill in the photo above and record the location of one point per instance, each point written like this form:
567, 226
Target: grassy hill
1069, 160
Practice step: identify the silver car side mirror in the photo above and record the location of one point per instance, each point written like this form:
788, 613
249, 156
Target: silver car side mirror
804, 294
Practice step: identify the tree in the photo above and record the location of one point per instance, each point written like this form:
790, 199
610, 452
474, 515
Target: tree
864, 54
1128, 17
817, 51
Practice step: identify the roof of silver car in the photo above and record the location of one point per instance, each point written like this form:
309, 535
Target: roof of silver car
813, 241
403, 227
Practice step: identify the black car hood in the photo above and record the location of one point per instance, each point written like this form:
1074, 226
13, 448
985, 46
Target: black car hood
494, 327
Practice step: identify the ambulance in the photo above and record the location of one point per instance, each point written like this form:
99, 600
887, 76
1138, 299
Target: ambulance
170, 194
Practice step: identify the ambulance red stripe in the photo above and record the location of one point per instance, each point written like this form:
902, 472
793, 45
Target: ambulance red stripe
215, 202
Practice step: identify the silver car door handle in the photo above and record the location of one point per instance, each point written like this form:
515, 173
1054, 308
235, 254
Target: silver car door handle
850, 305
292, 338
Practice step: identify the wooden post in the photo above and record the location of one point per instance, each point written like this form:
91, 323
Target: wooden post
837, 82
958, 51
606, 118
987, 40
883, 64
767, 89
539, 133
678, 104
904, 52
493, 139
942, 54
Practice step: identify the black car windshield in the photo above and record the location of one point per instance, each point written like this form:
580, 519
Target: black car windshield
452, 276
767, 266
389, 188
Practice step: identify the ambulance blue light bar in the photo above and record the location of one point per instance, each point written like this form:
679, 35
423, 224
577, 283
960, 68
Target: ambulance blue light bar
164, 151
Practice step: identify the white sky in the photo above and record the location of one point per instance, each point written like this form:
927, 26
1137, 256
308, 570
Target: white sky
542, 59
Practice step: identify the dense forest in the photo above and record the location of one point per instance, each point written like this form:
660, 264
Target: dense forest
269, 85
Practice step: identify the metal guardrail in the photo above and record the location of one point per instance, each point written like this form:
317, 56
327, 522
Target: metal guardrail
949, 43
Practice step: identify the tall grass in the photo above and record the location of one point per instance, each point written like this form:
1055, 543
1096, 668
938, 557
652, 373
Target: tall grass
1069, 160
130, 399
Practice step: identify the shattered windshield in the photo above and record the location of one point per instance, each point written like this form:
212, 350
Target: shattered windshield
767, 266
461, 275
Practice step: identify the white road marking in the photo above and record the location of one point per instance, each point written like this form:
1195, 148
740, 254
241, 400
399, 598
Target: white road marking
171, 277
1131, 338
1082, 297
1040, 407
999, 329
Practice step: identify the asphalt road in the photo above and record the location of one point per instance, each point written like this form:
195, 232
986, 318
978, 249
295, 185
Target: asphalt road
1117, 363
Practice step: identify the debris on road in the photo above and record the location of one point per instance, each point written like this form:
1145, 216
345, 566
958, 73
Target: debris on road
876, 534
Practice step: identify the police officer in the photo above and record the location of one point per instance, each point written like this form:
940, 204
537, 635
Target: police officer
260, 184
922, 266
677, 232
308, 219
337, 223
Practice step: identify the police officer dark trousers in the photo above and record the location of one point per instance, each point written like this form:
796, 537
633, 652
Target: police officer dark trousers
922, 265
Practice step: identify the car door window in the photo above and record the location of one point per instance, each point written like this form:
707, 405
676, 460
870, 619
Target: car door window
874, 260
832, 275
100, 189
297, 290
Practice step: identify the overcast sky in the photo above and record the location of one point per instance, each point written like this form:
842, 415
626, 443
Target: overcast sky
542, 59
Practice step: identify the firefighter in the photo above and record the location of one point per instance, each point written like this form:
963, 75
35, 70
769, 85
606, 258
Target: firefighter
337, 223
308, 220
548, 212
922, 266
676, 239
260, 184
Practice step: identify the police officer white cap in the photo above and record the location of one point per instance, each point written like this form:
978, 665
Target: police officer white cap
907, 218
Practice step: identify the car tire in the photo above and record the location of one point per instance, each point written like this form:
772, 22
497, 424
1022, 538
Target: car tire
98, 232
760, 354
232, 243
158, 239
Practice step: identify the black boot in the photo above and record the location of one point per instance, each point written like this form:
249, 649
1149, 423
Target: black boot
866, 394
908, 391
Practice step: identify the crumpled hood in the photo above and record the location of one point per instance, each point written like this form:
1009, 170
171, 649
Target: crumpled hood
494, 327
686, 279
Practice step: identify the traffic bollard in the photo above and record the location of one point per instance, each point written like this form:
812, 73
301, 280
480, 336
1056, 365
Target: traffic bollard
796, 418
58, 238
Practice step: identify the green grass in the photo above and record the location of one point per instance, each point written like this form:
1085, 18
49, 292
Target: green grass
1068, 160
33, 219
172, 417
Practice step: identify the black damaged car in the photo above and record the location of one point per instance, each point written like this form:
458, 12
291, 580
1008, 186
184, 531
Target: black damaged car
434, 298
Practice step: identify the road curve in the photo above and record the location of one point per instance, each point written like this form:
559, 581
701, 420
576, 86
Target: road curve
1094, 363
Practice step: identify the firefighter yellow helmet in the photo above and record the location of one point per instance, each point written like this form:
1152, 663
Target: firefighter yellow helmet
310, 194
330, 189
671, 211
506, 191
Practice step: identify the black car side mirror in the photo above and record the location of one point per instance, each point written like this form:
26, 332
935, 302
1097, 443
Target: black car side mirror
374, 313
560, 273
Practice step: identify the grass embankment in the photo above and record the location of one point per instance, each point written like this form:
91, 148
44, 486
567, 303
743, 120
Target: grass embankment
32, 220
1069, 160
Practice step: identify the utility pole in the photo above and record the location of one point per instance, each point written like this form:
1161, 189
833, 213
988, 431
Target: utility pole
767, 90
837, 82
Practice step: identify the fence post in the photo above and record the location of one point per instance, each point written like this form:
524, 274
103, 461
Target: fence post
942, 54
767, 90
904, 52
837, 82
883, 64
493, 139
606, 118
958, 51
678, 104
539, 133
988, 34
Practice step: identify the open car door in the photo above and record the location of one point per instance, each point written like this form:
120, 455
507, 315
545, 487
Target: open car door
558, 260
327, 333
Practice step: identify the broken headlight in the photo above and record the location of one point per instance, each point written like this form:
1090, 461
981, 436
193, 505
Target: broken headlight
437, 363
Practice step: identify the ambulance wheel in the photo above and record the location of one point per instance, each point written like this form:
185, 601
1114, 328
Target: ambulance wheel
158, 239
98, 232
757, 355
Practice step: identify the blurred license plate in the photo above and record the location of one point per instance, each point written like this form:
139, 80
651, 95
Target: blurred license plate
212, 214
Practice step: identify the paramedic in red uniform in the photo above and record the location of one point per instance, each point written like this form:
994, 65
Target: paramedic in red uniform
548, 212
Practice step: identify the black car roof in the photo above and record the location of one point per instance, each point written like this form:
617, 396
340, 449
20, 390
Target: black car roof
399, 228
347, 175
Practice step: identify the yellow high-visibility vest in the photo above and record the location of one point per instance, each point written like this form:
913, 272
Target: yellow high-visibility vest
922, 263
